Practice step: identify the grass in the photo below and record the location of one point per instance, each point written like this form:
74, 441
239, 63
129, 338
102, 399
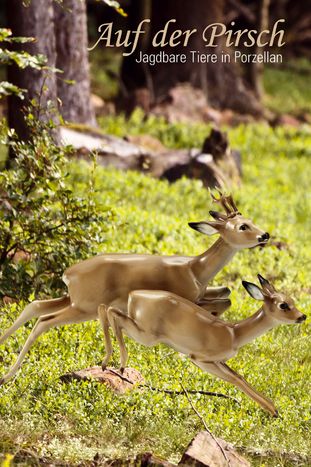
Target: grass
281, 96
73, 422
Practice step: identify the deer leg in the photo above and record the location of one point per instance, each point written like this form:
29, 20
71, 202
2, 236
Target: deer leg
216, 292
119, 321
215, 300
103, 318
35, 310
68, 315
114, 318
224, 372
216, 307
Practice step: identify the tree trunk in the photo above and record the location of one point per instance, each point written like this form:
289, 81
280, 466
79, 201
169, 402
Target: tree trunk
221, 82
258, 68
35, 20
72, 58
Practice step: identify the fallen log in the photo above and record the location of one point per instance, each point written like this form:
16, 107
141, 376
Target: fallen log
215, 164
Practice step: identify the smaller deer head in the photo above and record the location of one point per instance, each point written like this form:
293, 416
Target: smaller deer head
277, 305
234, 229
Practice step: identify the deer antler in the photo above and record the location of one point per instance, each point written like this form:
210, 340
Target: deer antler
226, 202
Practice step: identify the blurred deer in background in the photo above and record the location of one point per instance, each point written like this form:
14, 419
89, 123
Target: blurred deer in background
109, 278
162, 317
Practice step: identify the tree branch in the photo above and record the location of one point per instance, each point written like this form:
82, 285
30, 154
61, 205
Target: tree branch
204, 424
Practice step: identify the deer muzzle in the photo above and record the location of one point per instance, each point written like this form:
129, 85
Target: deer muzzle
263, 238
301, 319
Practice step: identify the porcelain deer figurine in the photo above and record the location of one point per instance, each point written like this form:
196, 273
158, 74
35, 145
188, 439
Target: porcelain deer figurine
109, 278
162, 317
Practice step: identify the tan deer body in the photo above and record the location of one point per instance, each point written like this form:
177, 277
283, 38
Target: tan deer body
162, 317
108, 279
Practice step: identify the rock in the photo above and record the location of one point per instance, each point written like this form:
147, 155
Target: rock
287, 120
212, 115
227, 115
119, 383
97, 102
147, 142
184, 103
204, 451
101, 107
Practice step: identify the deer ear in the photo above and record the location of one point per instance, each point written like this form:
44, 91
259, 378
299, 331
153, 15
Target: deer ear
253, 290
207, 228
263, 282
218, 216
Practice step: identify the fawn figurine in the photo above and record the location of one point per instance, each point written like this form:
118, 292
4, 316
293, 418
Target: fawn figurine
162, 317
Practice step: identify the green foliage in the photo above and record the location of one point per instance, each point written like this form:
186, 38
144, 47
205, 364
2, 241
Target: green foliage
75, 421
22, 59
6, 89
116, 5
19, 58
177, 135
42, 221
105, 69
6, 36
287, 89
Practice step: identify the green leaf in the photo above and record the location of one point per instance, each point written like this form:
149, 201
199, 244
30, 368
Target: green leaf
116, 6
22, 59
5, 36
6, 89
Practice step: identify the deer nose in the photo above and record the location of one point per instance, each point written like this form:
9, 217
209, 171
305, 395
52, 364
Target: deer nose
301, 319
264, 237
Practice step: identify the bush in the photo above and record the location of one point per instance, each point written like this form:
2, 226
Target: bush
44, 226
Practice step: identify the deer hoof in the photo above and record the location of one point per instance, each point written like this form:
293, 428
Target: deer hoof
276, 413
122, 370
104, 366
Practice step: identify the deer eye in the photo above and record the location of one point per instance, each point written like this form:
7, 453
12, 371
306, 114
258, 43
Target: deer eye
243, 227
284, 306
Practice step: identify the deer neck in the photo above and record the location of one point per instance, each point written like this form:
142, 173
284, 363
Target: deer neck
206, 266
247, 330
